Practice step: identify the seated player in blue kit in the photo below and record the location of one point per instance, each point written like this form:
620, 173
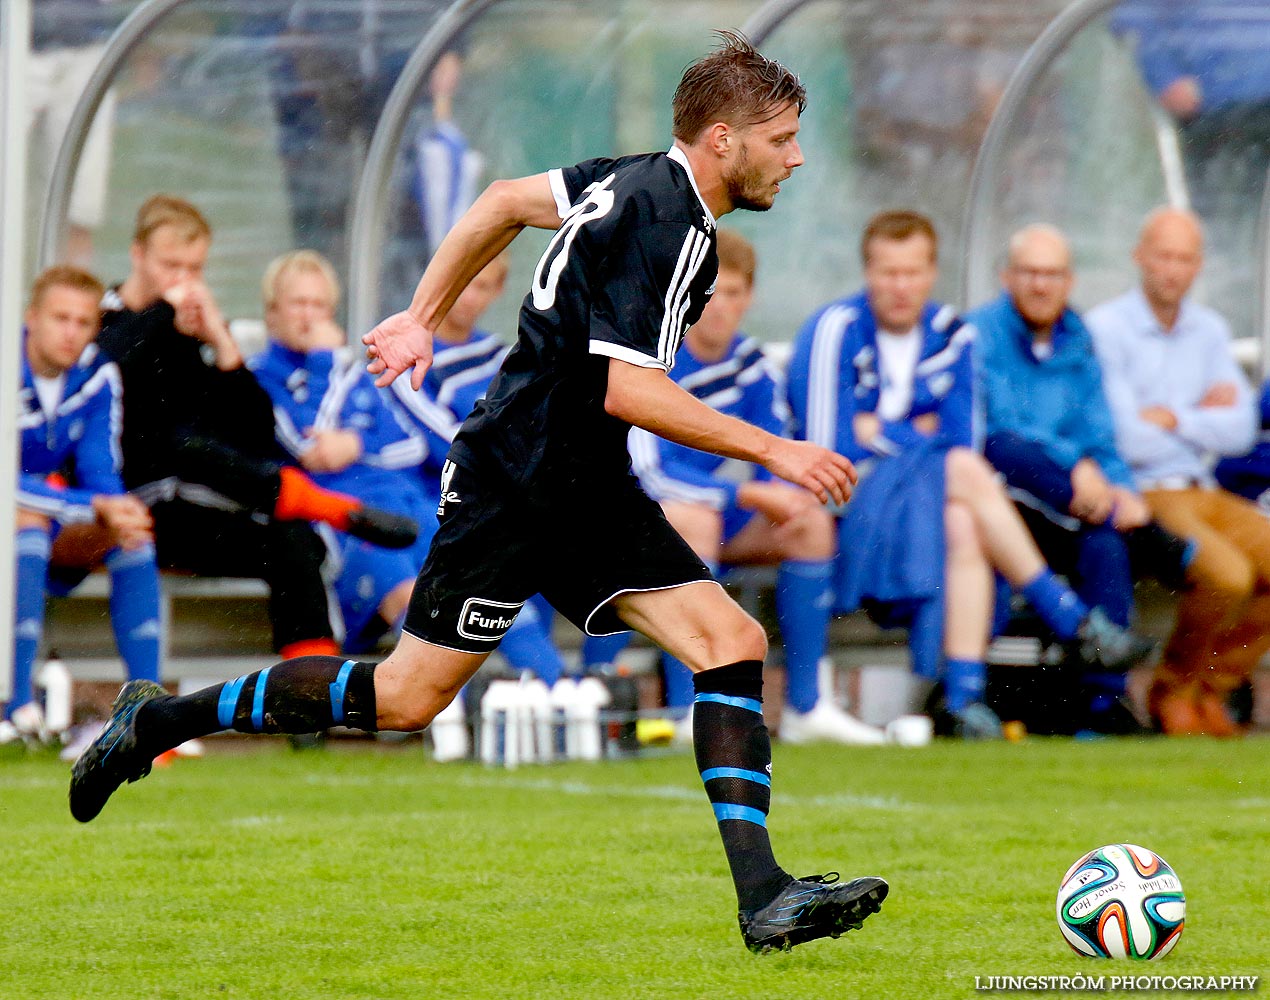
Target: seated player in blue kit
73, 510
332, 420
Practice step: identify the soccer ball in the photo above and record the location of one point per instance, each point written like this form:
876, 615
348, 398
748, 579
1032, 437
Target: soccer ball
1121, 901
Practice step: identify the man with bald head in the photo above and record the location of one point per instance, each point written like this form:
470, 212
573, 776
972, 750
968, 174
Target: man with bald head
1050, 433
1179, 399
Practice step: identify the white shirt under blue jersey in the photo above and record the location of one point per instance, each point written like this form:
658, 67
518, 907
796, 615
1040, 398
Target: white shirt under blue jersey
458, 377
330, 390
77, 439
741, 384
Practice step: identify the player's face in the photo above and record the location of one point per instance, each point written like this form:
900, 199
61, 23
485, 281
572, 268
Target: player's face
900, 275
59, 327
166, 260
302, 315
766, 154
478, 296
723, 313
1170, 258
1039, 280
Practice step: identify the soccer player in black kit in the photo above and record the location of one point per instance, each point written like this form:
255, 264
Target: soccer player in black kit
538, 495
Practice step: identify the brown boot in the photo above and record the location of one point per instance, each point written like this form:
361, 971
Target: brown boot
1173, 708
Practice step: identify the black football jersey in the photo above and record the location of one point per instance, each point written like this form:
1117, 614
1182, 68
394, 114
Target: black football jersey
629, 270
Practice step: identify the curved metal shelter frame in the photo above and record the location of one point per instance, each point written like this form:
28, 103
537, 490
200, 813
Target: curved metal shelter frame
370, 206
1263, 286
15, 40
131, 33
979, 253
769, 17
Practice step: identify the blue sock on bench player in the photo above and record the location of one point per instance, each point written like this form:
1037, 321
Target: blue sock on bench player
33, 546
602, 650
964, 683
1056, 603
803, 600
134, 609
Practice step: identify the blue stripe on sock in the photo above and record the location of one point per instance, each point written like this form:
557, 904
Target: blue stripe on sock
752, 704
229, 701
258, 702
758, 777
726, 810
337, 691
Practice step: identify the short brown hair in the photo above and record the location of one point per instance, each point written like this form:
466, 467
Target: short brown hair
167, 210
297, 262
898, 225
65, 276
735, 84
736, 253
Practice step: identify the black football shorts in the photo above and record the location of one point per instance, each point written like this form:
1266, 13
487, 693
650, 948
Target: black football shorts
578, 543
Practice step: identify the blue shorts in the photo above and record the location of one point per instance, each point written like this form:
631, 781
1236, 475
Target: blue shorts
735, 518
370, 573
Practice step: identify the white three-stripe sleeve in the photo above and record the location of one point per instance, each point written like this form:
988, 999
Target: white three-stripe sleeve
628, 306
691, 256
429, 414
645, 450
288, 435
825, 378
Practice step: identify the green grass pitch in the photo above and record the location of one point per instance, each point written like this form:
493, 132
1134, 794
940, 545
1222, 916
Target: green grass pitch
373, 873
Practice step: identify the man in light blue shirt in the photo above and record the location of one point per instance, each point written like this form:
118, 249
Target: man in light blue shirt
1179, 399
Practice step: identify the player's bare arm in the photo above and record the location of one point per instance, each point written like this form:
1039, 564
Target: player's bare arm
404, 340
647, 398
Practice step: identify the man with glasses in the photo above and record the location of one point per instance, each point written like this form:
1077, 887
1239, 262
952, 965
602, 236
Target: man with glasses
1050, 433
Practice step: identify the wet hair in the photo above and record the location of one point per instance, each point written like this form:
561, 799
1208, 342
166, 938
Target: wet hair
735, 84
297, 262
898, 225
65, 276
167, 210
736, 253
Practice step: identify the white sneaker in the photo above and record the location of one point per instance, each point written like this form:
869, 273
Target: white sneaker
28, 720
8, 733
449, 733
827, 722
190, 748
82, 737
683, 730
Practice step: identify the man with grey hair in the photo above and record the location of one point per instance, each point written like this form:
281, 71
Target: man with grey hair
1178, 399
1050, 433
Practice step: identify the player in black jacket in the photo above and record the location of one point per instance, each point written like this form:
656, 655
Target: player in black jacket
538, 494
198, 441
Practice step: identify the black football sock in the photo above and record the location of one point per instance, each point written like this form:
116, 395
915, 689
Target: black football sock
734, 756
306, 694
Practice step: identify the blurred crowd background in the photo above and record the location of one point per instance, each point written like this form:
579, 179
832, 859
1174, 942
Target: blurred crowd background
262, 111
